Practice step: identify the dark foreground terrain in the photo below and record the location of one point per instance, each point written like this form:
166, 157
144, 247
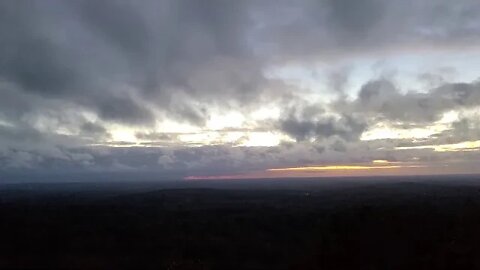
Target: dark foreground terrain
391, 224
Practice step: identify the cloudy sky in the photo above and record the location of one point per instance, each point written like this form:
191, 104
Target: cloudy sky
214, 88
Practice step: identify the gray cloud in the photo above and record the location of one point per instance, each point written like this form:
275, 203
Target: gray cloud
212, 160
382, 100
94, 131
465, 129
311, 123
19, 134
136, 62
326, 29
87, 52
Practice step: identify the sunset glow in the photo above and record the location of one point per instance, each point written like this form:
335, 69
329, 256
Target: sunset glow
342, 168
374, 168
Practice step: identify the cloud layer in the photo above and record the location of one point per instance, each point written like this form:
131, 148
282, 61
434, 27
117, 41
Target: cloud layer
74, 75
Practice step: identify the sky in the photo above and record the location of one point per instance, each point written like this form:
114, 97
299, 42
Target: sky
240, 89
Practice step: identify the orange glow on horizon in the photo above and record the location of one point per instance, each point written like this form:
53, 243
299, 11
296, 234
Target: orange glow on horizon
376, 167
342, 168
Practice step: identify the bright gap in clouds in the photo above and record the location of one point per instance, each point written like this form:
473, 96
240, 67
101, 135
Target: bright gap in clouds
231, 128
313, 82
388, 131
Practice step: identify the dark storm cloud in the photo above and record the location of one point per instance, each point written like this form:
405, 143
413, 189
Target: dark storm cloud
311, 122
330, 28
29, 58
123, 109
354, 18
41, 55
118, 23
382, 100
95, 131
338, 146
89, 52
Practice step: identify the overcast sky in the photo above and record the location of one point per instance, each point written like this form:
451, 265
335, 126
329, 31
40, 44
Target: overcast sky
240, 88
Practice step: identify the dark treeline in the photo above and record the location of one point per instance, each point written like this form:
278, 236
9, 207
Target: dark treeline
371, 226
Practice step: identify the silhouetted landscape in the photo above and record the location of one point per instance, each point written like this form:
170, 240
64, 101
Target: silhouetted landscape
377, 223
